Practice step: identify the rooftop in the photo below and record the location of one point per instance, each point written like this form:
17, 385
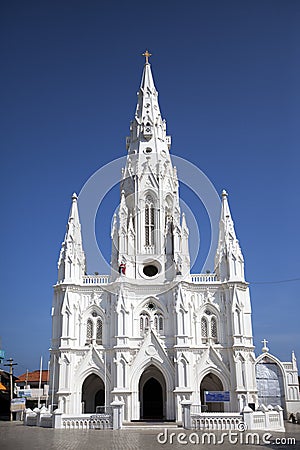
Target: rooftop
34, 376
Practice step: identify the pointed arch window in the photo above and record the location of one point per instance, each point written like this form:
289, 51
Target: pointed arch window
209, 327
94, 329
237, 320
213, 328
99, 332
204, 329
161, 323
158, 322
89, 331
144, 322
149, 221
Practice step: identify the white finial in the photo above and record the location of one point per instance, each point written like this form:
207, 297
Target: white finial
224, 193
265, 348
74, 196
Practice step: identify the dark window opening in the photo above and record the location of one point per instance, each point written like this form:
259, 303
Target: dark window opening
150, 271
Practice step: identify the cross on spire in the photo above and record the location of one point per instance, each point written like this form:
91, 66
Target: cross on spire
147, 56
265, 348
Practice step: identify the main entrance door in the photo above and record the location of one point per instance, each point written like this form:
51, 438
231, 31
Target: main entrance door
93, 393
152, 394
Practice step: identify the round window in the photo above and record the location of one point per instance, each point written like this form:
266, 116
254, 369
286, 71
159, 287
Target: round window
150, 271
148, 150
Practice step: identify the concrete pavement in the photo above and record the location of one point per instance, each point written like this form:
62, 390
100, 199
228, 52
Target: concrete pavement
15, 436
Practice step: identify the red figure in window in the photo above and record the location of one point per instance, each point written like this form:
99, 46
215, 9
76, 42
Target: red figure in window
122, 268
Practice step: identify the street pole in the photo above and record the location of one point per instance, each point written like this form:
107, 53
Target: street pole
40, 382
11, 364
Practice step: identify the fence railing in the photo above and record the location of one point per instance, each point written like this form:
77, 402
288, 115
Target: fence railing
87, 422
265, 418
214, 421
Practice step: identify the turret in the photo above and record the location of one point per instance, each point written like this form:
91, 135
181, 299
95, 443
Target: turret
71, 263
229, 260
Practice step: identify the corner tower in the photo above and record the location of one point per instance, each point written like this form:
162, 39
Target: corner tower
148, 236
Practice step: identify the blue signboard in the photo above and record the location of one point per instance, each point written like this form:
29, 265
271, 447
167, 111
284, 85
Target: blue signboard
24, 393
217, 396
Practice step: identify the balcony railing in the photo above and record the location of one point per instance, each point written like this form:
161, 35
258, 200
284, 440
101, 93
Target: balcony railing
96, 279
203, 278
193, 278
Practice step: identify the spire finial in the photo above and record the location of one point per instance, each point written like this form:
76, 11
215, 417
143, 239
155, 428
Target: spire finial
224, 193
147, 56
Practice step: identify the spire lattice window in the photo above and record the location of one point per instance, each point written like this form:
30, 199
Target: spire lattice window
149, 221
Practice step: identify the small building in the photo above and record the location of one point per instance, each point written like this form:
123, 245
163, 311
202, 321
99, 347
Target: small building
28, 385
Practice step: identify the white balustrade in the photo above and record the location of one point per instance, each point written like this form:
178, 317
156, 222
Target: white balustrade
264, 418
87, 422
214, 421
96, 279
203, 278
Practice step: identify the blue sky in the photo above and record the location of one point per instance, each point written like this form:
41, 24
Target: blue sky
228, 78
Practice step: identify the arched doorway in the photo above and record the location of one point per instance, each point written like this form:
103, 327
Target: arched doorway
93, 393
211, 383
152, 394
269, 381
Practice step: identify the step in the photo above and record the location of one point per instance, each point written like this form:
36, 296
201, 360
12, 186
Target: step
148, 424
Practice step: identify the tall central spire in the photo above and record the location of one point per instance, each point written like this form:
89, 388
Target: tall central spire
148, 129
149, 234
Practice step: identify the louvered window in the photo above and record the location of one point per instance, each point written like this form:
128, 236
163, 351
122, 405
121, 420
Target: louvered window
99, 332
204, 328
149, 221
213, 328
89, 331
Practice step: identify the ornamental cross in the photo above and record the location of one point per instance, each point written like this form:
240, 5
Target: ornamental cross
264, 341
147, 55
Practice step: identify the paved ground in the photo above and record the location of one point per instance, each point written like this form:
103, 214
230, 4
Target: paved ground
18, 437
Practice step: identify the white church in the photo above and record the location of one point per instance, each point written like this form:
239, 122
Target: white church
151, 334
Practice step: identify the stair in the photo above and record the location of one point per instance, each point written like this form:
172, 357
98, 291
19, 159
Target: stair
148, 425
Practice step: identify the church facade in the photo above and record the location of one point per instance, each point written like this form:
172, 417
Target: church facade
151, 334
